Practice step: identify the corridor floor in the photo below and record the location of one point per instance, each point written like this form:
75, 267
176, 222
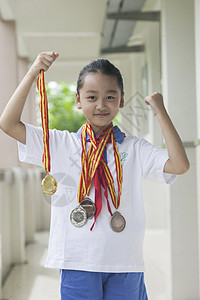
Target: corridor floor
31, 281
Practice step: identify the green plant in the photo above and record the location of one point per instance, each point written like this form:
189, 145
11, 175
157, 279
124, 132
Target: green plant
63, 113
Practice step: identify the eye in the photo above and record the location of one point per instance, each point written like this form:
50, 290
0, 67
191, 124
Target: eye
110, 98
93, 98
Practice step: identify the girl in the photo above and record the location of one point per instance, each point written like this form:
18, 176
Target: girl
96, 236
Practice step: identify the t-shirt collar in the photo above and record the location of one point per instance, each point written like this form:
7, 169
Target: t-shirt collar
118, 134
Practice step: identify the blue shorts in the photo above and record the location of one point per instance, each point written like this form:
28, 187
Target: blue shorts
83, 285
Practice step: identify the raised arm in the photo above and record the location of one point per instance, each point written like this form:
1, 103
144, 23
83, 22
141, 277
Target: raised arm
10, 120
178, 162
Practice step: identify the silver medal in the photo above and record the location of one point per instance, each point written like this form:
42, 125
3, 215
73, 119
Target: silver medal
78, 216
117, 222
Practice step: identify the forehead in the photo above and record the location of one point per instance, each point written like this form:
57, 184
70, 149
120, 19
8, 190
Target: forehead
100, 82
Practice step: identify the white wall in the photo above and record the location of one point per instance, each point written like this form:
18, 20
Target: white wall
197, 51
178, 69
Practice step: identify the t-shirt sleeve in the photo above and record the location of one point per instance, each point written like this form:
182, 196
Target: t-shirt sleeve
32, 151
153, 160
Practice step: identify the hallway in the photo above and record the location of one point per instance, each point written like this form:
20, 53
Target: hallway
31, 281
156, 46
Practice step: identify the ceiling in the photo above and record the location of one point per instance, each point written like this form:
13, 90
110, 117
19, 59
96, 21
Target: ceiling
79, 30
117, 32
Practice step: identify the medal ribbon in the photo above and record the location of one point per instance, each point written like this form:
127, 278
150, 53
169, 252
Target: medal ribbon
95, 166
45, 120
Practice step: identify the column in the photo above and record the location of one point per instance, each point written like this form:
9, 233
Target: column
178, 70
29, 204
5, 222
1, 254
8, 83
17, 217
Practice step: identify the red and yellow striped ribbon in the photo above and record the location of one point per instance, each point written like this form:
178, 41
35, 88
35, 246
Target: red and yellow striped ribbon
93, 158
45, 120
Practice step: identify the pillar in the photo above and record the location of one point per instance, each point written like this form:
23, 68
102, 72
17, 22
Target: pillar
17, 217
5, 222
1, 255
29, 204
8, 83
179, 90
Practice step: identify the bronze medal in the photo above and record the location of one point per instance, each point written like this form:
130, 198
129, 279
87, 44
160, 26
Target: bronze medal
89, 206
117, 222
49, 185
78, 216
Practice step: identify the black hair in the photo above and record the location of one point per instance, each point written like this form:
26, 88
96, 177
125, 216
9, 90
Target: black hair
102, 66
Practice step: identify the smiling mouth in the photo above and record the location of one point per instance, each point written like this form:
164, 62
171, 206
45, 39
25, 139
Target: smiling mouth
101, 115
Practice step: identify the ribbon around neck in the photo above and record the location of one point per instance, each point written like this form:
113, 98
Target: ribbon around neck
45, 120
94, 166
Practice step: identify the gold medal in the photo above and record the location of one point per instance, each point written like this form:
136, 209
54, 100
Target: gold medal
49, 185
117, 222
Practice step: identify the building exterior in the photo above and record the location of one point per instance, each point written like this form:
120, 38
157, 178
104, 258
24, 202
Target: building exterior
157, 48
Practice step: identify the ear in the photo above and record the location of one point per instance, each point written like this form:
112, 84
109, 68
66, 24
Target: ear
121, 104
78, 101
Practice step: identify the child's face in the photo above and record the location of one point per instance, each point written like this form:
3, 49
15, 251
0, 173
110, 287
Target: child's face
100, 99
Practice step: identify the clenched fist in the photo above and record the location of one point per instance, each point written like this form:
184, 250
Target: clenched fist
156, 103
43, 62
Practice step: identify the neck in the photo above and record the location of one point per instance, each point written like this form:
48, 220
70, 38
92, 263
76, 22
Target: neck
98, 130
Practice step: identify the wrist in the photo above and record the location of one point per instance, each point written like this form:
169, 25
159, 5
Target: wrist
32, 72
162, 114
31, 75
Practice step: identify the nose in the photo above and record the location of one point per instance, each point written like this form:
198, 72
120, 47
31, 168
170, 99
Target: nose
100, 104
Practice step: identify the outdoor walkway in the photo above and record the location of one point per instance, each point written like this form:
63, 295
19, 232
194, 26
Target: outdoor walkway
31, 281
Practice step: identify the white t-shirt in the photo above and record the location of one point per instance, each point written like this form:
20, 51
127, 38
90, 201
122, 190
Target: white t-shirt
102, 249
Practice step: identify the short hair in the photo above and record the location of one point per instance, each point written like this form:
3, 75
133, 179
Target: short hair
102, 66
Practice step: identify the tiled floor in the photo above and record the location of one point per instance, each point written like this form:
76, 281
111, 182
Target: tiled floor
157, 264
31, 281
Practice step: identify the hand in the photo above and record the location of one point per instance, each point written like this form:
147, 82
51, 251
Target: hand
178, 162
43, 61
155, 101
